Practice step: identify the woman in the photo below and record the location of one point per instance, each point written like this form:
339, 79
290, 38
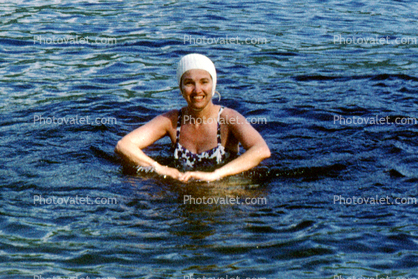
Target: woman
203, 134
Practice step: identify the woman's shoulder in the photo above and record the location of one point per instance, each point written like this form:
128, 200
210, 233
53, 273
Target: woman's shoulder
171, 114
227, 114
169, 117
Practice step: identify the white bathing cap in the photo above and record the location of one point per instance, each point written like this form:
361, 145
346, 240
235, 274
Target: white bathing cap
196, 61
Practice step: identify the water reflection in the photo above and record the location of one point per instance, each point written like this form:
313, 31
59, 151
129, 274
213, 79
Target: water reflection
199, 210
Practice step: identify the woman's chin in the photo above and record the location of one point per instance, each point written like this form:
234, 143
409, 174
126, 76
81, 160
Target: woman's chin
196, 108
198, 105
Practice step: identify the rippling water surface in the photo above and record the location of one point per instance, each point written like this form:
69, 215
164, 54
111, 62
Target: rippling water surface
296, 74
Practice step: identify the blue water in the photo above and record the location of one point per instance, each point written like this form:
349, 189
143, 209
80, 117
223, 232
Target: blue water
295, 74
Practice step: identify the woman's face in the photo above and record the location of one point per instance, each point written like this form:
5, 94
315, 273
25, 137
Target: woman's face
196, 88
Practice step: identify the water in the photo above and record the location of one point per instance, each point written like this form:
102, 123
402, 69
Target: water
299, 80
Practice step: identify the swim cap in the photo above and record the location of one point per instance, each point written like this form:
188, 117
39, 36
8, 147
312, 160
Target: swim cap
196, 61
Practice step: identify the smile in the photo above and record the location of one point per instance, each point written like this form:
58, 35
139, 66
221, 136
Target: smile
198, 98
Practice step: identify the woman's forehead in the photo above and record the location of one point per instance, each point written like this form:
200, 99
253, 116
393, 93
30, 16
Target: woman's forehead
196, 74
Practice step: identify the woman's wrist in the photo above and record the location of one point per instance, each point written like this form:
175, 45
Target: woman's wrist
156, 166
217, 174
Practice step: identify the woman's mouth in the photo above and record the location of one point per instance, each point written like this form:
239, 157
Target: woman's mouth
198, 98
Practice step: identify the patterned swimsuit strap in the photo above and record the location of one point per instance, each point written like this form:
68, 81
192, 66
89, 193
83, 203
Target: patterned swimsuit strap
178, 127
218, 136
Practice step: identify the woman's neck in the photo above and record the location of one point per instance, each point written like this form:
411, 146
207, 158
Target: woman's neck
198, 117
206, 112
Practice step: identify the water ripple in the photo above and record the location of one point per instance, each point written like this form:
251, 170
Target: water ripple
286, 64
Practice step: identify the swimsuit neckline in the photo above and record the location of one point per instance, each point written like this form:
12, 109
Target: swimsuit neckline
197, 154
218, 135
208, 158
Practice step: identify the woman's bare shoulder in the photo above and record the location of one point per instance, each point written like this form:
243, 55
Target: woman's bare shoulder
229, 114
170, 117
171, 114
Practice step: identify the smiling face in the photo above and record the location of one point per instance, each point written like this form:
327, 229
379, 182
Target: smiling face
196, 88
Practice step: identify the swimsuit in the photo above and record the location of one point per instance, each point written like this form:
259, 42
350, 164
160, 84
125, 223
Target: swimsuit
188, 160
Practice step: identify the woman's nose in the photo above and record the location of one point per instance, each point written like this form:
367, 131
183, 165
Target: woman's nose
197, 88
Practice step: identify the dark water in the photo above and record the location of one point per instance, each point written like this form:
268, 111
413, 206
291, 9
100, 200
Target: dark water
299, 80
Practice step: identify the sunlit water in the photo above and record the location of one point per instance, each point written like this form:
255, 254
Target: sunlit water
297, 73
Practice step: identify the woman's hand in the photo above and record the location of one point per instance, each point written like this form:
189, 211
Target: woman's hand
200, 175
167, 171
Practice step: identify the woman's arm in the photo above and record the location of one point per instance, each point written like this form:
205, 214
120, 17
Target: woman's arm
255, 146
130, 146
